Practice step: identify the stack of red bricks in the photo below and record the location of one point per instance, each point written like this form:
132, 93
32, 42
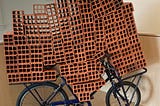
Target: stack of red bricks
87, 30
28, 49
74, 34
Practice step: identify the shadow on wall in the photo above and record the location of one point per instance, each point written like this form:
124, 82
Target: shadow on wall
150, 48
150, 45
146, 88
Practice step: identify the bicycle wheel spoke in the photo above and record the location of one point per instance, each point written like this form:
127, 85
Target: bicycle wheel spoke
37, 94
131, 91
52, 95
37, 98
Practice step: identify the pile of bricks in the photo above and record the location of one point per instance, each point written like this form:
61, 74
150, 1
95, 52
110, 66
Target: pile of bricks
28, 49
74, 34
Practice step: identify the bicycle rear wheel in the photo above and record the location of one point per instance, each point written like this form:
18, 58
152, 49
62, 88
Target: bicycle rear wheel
133, 94
37, 94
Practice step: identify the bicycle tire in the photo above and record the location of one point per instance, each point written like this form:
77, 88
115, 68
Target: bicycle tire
36, 87
112, 101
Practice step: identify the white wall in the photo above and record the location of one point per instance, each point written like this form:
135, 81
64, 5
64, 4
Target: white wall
147, 15
8, 6
1, 21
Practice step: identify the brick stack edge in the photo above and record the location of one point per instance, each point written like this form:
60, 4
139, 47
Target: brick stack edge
74, 34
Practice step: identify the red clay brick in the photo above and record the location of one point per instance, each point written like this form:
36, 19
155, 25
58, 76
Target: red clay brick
11, 68
50, 75
64, 69
84, 96
17, 17
77, 78
25, 77
85, 6
8, 39
20, 40
37, 76
39, 9
118, 3
90, 50
13, 78
10, 50
127, 7
102, 7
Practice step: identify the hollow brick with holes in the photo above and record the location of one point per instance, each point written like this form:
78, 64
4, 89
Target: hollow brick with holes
17, 21
98, 9
123, 43
90, 50
78, 78
73, 7
11, 68
84, 96
84, 87
25, 77
113, 47
102, 7
77, 68
42, 23
64, 69
50, 75
49, 60
120, 22
8, 39
99, 29
10, 50
109, 23
118, 3
52, 18
87, 17
100, 35
20, 40
84, 6
88, 87
127, 7
94, 75
61, 4
98, 55
39, 9
101, 46
37, 76
13, 78
59, 57
11, 59
133, 39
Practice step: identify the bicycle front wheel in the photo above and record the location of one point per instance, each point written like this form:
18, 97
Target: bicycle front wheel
115, 95
37, 94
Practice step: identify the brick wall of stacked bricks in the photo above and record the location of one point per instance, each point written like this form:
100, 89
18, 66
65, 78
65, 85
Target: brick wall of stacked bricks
74, 34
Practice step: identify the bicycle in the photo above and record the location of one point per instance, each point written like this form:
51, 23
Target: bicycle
121, 92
